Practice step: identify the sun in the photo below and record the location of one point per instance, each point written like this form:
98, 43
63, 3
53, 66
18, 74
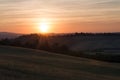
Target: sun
44, 27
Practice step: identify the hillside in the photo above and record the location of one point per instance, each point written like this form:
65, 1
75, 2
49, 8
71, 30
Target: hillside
27, 64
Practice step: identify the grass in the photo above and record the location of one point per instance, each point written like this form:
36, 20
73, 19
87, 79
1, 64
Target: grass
27, 64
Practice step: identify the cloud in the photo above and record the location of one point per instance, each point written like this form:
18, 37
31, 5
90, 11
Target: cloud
11, 1
108, 4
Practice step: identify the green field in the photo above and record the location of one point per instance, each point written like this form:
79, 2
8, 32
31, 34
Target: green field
26, 64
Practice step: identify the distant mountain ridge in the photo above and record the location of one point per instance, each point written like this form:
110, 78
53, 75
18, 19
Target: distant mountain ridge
8, 35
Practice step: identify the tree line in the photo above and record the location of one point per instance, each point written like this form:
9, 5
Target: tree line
35, 41
41, 42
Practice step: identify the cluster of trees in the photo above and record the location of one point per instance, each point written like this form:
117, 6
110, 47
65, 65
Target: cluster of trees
87, 34
41, 42
35, 41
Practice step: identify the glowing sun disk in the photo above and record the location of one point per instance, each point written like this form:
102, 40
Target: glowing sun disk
44, 27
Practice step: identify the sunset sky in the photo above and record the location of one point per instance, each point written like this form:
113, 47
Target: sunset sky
25, 16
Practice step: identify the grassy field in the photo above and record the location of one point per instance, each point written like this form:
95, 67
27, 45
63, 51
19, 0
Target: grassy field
26, 64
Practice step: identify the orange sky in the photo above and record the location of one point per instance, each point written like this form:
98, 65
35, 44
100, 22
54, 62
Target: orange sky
24, 16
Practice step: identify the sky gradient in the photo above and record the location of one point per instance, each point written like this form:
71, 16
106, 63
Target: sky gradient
24, 16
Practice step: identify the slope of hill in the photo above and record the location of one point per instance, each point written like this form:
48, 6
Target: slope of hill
8, 35
26, 64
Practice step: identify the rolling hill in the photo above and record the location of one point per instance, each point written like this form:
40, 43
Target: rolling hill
28, 64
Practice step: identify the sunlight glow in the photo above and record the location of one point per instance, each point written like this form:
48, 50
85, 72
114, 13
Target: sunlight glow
44, 26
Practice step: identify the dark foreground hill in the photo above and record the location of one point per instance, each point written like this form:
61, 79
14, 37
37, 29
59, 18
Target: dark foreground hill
27, 64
